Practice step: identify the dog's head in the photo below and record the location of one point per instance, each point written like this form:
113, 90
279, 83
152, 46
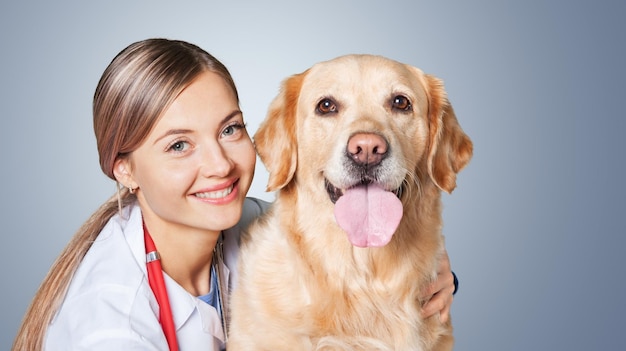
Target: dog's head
361, 120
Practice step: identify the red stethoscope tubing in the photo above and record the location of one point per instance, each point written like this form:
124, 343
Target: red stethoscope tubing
157, 284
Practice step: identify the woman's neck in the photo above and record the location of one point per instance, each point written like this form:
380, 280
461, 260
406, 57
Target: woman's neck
186, 254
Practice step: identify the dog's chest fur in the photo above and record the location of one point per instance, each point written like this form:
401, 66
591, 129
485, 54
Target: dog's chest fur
337, 293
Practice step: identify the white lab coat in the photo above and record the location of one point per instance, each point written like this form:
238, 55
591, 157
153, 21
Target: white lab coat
109, 304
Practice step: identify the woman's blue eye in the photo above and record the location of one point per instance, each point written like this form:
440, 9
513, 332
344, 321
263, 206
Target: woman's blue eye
178, 146
232, 129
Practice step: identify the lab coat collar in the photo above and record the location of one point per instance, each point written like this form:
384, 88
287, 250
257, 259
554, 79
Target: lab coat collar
183, 304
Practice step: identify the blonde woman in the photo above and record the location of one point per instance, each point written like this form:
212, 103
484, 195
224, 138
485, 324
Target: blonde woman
152, 267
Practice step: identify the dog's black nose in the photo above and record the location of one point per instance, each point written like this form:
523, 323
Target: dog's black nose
367, 149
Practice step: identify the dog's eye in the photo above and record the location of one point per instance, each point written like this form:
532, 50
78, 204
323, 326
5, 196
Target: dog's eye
401, 103
326, 106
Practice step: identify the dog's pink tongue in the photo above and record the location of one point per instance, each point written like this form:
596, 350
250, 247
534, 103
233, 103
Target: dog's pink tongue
369, 214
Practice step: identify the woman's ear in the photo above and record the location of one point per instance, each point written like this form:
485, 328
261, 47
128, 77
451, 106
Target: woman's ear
123, 173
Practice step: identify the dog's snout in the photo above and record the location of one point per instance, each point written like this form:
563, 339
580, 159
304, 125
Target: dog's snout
367, 149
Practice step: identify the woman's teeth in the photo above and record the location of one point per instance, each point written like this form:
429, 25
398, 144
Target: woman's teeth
215, 194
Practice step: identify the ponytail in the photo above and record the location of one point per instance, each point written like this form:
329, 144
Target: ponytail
52, 290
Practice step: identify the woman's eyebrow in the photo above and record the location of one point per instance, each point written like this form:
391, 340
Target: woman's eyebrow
172, 132
231, 115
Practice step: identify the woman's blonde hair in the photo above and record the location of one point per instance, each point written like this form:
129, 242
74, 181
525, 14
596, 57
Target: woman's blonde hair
132, 94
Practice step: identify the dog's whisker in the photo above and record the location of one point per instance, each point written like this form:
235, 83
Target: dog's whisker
412, 182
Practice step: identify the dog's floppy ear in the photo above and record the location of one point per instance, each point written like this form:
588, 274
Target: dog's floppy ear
450, 149
275, 140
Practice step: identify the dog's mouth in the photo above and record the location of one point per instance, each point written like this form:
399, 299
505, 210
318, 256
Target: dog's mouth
335, 193
367, 212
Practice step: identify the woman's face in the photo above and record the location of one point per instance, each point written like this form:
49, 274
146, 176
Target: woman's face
197, 164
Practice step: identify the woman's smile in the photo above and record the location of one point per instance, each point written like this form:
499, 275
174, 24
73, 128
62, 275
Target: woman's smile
220, 194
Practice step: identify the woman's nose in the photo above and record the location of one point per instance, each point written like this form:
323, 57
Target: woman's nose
216, 162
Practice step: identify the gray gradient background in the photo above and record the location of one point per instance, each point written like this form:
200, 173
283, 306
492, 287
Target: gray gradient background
535, 228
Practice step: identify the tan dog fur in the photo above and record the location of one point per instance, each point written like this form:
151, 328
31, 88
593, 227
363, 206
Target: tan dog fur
302, 285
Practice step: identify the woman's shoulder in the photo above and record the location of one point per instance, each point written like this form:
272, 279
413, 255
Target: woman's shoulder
252, 208
108, 290
110, 268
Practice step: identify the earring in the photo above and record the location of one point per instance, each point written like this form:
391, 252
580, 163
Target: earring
131, 189
119, 199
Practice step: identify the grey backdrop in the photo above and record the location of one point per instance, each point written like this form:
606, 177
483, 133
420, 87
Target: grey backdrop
535, 228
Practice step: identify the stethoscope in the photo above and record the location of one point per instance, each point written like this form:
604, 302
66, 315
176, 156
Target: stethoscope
157, 284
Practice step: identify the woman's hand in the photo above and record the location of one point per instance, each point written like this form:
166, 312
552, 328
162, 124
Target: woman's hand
439, 293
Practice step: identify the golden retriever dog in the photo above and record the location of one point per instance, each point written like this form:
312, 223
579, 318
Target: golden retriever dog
359, 149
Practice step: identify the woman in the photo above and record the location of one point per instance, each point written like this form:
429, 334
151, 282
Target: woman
170, 131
